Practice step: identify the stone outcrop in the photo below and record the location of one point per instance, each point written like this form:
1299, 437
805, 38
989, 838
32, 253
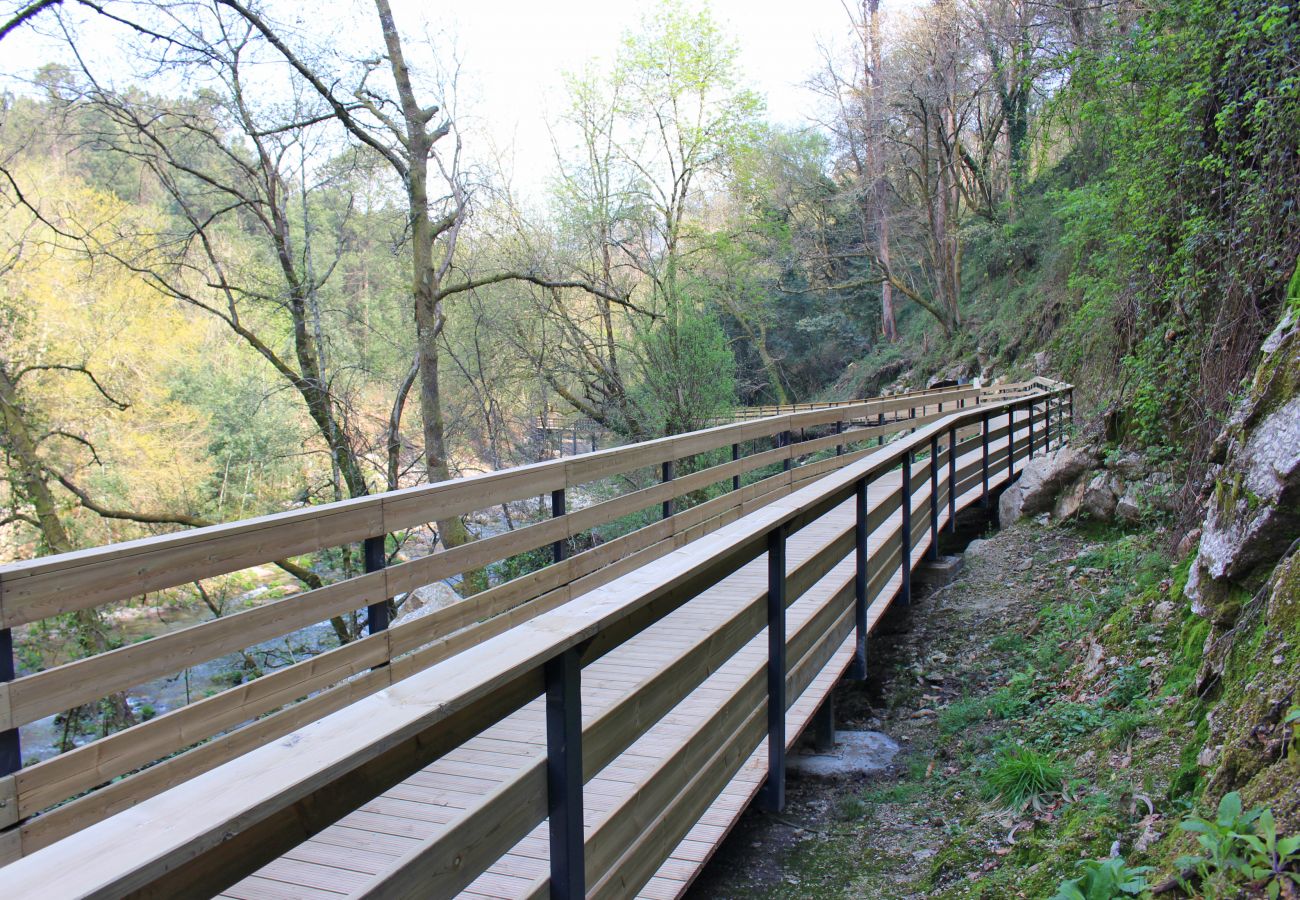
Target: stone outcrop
1254, 505
1245, 580
1078, 482
1041, 480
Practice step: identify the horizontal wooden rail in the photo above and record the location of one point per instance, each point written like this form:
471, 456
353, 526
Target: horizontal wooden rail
203, 835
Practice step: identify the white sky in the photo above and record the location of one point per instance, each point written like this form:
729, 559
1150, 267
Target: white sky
514, 52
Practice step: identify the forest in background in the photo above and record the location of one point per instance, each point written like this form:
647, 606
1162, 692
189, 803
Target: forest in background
244, 269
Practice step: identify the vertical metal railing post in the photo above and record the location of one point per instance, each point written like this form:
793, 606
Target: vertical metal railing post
772, 797
11, 755
558, 508
667, 477
933, 552
905, 554
1031, 430
1011, 442
564, 775
787, 440
735, 455
952, 480
880, 422
839, 429
375, 560
860, 554
984, 495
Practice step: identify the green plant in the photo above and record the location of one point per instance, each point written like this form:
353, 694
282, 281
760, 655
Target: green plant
1220, 840
849, 808
961, 714
1130, 683
1271, 859
1104, 879
1024, 777
1123, 727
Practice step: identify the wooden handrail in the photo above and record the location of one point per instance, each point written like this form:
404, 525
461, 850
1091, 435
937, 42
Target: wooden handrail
290, 790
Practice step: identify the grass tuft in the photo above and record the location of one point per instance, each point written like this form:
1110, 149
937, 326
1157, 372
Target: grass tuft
1023, 776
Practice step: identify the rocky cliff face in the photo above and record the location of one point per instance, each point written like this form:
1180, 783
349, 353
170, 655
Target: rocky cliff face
1245, 580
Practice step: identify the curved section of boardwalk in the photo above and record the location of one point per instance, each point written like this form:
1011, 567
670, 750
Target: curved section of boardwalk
441, 783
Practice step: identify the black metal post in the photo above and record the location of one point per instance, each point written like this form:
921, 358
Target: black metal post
667, 477
933, 553
952, 480
772, 797
860, 537
558, 509
575, 440
824, 725
735, 455
1011, 442
905, 557
11, 755
1031, 430
787, 438
564, 775
984, 496
839, 429
375, 559
880, 422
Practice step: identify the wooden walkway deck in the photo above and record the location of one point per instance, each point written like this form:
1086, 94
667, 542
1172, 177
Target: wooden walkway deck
345, 858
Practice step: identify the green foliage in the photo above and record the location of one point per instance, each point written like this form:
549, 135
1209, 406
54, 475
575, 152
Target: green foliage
1104, 879
1024, 777
1220, 839
1239, 847
1189, 230
689, 373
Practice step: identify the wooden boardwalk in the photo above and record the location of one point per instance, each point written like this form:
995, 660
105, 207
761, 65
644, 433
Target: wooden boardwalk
345, 858
434, 774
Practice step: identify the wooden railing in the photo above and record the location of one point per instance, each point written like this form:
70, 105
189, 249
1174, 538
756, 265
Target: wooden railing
203, 835
51, 799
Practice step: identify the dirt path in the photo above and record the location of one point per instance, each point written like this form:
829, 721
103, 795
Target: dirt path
938, 674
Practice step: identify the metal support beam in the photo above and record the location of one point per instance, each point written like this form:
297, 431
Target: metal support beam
880, 421
861, 555
1031, 430
735, 455
952, 480
984, 496
668, 476
558, 509
772, 797
839, 429
905, 558
375, 560
564, 775
787, 439
11, 756
1011, 443
933, 553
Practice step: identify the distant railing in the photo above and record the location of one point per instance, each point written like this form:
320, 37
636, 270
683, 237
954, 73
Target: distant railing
51, 799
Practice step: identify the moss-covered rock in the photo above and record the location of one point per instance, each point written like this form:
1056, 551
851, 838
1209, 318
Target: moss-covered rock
1254, 508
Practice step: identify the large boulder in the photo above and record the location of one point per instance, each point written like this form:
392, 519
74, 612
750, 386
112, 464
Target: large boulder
1041, 480
1100, 496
